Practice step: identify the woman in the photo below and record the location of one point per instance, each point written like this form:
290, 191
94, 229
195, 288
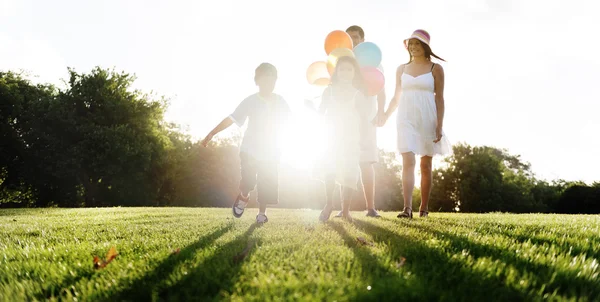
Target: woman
419, 97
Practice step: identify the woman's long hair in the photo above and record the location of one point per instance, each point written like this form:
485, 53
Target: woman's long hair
428, 53
358, 82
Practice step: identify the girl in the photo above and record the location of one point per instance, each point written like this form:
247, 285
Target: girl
419, 98
339, 105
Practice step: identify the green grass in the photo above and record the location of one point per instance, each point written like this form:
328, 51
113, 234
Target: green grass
47, 254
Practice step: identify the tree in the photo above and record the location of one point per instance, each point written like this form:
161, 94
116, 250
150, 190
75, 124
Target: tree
96, 142
23, 106
484, 179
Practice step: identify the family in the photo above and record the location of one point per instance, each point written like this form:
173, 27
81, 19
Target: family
353, 118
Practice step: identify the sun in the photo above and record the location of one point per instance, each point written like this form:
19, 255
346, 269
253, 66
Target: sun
304, 140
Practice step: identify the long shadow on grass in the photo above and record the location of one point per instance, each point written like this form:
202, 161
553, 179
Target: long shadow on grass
550, 279
509, 230
60, 290
214, 277
439, 277
386, 283
143, 289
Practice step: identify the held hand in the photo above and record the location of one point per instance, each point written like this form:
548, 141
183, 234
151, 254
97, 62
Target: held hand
207, 139
438, 134
384, 119
379, 119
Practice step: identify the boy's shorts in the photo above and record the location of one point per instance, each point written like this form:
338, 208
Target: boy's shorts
262, 175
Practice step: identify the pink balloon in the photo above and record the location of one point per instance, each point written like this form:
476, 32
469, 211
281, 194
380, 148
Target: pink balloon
374, 80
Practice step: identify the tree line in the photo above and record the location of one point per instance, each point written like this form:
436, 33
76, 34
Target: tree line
98, 142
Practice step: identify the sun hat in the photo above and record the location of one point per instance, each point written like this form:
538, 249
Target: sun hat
419, 34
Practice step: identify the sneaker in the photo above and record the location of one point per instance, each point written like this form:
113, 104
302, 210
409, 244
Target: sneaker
239, 205
373, 213
340, 214
261, 218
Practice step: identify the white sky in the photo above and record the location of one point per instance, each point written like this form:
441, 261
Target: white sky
519, 75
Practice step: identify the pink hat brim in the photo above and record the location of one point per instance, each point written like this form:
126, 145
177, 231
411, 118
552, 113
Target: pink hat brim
415, 37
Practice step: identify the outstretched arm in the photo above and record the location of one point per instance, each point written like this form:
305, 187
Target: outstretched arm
324, 102
224, 124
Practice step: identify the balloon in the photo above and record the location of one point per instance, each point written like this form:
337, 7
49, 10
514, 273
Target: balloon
335, 55
374, 80
317, 74
368, 54
337, 39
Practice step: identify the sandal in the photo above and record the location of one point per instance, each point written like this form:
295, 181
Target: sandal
325, 213
406, 213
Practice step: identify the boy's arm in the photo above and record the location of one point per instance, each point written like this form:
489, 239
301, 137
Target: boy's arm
224, 124
239, 117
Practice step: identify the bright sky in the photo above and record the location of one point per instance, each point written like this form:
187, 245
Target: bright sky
519, 74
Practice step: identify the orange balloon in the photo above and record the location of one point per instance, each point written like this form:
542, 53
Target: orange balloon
335, 55
317, 74
337, 39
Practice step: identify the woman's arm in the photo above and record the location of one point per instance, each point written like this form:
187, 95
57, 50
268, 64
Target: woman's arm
396, 99
438, 76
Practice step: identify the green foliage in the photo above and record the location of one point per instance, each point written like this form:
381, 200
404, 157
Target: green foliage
98, 142
487, 179
95, 143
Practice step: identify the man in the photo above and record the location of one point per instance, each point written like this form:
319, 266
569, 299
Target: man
368, 132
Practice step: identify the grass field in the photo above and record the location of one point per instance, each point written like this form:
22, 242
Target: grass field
47, 254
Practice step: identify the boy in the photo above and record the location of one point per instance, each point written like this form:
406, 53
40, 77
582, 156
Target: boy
267, 113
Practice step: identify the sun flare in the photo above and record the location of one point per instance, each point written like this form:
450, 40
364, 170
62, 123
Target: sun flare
303, 140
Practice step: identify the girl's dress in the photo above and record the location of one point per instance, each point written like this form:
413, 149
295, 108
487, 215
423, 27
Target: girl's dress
342, 155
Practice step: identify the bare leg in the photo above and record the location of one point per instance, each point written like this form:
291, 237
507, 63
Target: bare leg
245, 193
408, 177
346, 199
367, 175
330, 189
426, 178
408, 183
262, 208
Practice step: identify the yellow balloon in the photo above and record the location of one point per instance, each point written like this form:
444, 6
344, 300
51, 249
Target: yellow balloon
335, 55
317, 74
